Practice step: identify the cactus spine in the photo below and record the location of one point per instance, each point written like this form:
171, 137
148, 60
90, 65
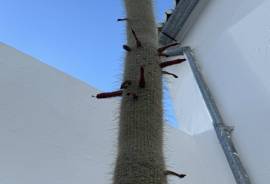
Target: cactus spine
140, 141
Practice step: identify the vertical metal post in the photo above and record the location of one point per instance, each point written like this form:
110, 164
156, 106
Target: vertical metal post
223, 132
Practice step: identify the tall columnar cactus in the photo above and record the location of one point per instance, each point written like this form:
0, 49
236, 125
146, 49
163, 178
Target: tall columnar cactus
140, 151
140, 157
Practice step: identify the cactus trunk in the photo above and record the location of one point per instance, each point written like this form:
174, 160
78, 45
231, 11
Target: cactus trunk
140, 141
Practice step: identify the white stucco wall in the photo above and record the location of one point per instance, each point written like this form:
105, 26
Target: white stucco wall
231, 42
52, 131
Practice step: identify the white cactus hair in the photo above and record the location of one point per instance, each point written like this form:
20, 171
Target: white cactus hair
140, 157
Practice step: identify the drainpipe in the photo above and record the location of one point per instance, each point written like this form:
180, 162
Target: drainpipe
222, 130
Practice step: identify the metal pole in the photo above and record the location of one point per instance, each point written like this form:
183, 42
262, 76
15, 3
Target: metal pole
223, 132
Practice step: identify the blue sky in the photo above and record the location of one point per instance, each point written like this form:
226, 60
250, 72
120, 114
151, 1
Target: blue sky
79, 37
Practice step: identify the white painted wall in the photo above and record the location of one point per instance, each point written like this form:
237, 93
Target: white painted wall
52, 131
192, 114
231, 42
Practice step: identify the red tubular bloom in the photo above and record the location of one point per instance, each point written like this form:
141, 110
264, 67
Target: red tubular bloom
160, 50
139, 44
142, 79
123, 19
127, 48
173, 62
110, 94
168, 73
174, 173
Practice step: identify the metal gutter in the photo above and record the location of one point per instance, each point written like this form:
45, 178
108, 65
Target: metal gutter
177, 20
